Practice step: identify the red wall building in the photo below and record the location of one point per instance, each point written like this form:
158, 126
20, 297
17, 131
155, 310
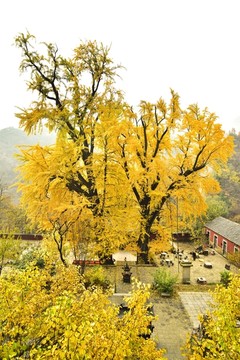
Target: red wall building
223, 235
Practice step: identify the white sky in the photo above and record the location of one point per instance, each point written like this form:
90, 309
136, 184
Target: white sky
192, 46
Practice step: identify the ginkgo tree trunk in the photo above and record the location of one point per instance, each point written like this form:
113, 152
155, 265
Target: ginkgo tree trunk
170, 154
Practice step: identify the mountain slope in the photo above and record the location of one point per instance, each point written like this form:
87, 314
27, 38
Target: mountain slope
10, 139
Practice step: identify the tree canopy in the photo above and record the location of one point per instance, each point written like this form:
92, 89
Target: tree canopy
121, 168
168, 153
47, 313
219, 333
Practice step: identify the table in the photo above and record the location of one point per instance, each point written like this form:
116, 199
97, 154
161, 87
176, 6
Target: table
169, 262
208, 265
163, 255
201, 280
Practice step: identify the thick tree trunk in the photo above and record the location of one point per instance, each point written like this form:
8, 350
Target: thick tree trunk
149, 217
143, 244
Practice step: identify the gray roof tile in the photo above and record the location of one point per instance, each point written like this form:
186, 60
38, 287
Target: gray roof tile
230, 230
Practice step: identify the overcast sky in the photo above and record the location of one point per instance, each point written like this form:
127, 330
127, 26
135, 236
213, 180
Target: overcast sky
191, 46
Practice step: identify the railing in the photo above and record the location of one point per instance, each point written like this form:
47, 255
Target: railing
30, 237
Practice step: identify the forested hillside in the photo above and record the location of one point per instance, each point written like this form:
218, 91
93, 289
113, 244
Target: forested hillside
10, 139
12, 215
230, 182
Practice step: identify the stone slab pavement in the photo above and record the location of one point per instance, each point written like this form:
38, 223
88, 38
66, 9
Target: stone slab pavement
176, 318
195, 304
171, 326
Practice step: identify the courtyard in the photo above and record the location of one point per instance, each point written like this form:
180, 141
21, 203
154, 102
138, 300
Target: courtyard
178, 315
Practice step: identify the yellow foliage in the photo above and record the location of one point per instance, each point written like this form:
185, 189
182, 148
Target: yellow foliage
159, 245
45, 316
220, 332
120, 165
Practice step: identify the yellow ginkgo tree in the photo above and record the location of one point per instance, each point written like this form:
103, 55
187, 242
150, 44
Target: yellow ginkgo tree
125, 167
169, 155
43, 316
77, 100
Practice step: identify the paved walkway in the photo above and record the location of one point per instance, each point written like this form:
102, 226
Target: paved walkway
195, 304
177, 317
171, 326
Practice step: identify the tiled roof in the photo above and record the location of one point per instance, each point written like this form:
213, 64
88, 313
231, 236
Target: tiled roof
230, 230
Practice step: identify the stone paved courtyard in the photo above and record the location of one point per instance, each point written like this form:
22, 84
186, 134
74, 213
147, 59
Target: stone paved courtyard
176, 316
195, 303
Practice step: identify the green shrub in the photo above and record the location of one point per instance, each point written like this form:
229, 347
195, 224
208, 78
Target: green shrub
96, 276
164, 281
225, 278
32, 256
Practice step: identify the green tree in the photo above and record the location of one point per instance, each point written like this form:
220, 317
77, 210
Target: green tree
217, 206
12, 216
229, 181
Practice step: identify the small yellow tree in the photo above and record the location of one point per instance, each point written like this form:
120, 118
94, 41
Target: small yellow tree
43, 316
10, 249
219, 334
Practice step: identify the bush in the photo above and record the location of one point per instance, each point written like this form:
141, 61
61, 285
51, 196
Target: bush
96, 276
164, 281
235, 259
225, 278
31, 256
